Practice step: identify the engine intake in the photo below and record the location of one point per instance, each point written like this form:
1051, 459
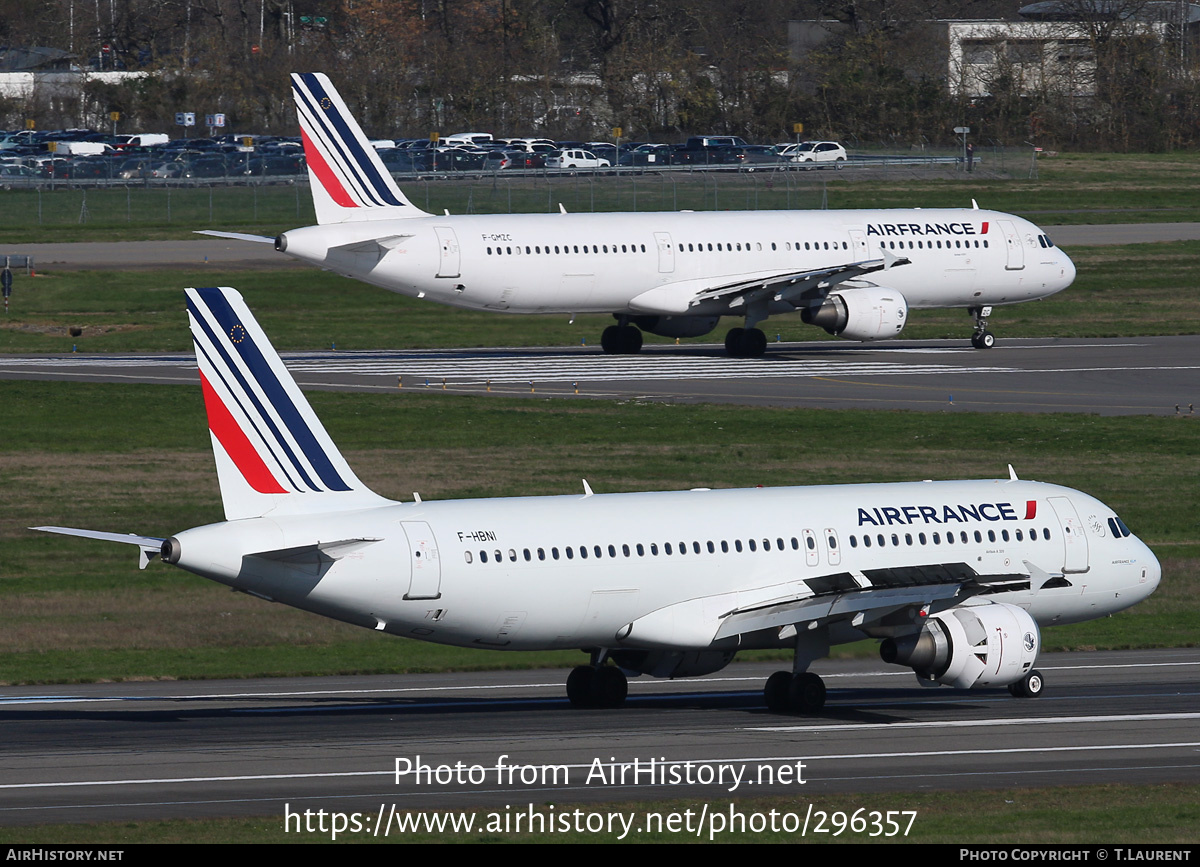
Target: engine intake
873, 313
970, 645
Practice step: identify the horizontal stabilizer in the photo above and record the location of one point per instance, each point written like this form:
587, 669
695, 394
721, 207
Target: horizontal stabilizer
151, 545
236, 236
313, 559
317, 553
378, 247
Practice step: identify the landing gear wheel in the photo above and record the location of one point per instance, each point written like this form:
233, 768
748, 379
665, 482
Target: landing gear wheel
1030, 686
621, 340
982, 338
579, 685
745, 343
777, 691
609, 687
799, 693
807, 693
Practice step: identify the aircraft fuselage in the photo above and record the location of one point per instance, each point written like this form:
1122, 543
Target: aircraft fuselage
573, 571
613, 263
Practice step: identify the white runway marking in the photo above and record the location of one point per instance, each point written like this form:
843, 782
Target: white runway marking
478, 369
523, 368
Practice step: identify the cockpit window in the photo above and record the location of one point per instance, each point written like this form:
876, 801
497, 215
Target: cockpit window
1119, 530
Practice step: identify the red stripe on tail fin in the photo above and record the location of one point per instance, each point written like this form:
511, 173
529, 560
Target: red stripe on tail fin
324, 174
236, 444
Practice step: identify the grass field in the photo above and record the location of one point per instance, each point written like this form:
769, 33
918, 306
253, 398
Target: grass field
72, 609
1120, 291
1070, 188
1086, 814
137, 458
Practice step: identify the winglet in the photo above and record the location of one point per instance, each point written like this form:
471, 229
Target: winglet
1012, 474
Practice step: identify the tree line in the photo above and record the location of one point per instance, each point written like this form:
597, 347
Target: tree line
577, 68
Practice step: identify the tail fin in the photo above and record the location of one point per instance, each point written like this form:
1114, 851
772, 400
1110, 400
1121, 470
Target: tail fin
349, 182
272, 453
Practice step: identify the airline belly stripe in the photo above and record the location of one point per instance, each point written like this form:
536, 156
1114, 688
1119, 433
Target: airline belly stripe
275, 393
236, 444
345, 139
325, 175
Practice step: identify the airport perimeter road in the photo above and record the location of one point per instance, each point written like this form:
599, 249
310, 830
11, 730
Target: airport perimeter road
1123, 376
203, 251
124, 752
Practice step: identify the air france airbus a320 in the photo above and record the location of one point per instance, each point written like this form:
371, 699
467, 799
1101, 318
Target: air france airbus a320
855, 273
955, 578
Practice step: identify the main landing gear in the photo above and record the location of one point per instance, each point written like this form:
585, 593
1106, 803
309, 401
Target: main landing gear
745, 343
597, 686
621, 340
794, 693
982, 338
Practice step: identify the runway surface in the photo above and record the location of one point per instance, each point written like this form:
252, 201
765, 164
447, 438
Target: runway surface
140, 751
1129, 376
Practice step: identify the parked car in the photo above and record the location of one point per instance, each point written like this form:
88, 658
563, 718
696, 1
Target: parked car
524, 160
575, 159
815, 152
648, 155
16, 176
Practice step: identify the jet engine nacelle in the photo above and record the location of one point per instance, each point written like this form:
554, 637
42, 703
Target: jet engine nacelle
860, 314
969, 646
672, 663
676, 326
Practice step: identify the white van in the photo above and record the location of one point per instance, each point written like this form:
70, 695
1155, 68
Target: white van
469, 139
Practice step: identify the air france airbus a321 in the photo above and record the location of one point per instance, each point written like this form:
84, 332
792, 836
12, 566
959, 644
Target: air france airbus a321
855, 273
955, 578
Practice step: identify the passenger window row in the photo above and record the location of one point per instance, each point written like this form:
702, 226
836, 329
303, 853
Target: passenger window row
929, 245
538, 250
881, 539
667, 549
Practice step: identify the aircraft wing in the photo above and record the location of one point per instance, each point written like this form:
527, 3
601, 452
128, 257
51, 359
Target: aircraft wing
794, 287
859, 598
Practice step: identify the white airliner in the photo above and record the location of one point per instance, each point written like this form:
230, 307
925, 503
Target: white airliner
955, 578
855, 273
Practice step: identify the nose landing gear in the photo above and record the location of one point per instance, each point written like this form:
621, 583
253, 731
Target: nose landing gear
982, 338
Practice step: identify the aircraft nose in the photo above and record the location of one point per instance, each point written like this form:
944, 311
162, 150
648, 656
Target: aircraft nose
1150, 573
1068, 270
